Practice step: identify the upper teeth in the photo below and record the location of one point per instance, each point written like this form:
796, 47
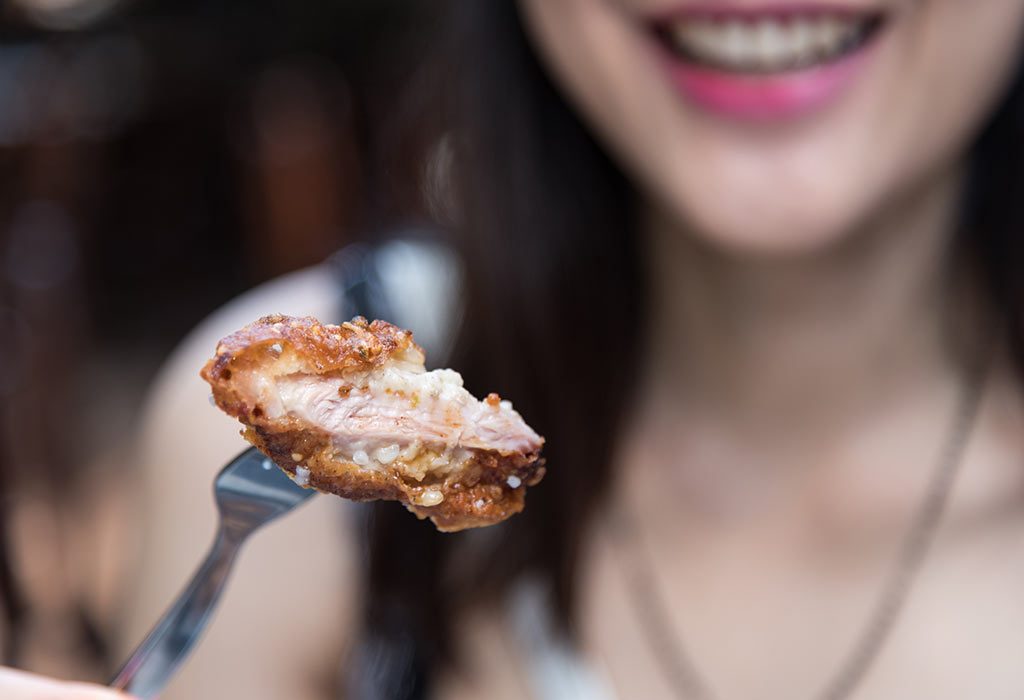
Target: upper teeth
766, 44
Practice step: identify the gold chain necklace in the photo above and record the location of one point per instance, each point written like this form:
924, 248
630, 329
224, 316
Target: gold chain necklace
667, 646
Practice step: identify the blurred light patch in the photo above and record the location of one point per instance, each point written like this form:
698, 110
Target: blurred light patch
64, 15
290, 117
12, 352
84, 91
42, 248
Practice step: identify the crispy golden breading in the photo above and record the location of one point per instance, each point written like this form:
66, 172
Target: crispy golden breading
351, 410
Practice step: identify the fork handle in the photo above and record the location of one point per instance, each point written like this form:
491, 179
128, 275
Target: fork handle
155, 660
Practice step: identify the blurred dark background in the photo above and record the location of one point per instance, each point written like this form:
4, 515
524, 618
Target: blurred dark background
157, 157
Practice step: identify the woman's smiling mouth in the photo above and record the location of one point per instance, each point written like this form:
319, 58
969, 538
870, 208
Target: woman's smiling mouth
763, 64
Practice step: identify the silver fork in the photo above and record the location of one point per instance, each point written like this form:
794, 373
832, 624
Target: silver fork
250, 492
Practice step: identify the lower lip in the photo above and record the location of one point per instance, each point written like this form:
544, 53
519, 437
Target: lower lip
766, 98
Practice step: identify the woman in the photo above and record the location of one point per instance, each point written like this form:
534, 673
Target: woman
753, 270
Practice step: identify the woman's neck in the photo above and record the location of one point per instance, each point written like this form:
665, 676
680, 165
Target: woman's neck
769, 344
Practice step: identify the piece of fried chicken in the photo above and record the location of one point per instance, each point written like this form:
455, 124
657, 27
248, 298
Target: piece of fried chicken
351, 410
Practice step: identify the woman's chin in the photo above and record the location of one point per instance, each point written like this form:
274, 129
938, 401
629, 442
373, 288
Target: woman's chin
788, 244
766, 236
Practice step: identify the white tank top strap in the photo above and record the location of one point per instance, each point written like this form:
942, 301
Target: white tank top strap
556, 670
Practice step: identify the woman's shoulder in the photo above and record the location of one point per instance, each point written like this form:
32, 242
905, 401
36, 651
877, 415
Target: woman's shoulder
291, 581
177, 412
312, 291
177, 400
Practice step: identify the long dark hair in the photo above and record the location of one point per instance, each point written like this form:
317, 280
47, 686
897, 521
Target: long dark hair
554, 320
